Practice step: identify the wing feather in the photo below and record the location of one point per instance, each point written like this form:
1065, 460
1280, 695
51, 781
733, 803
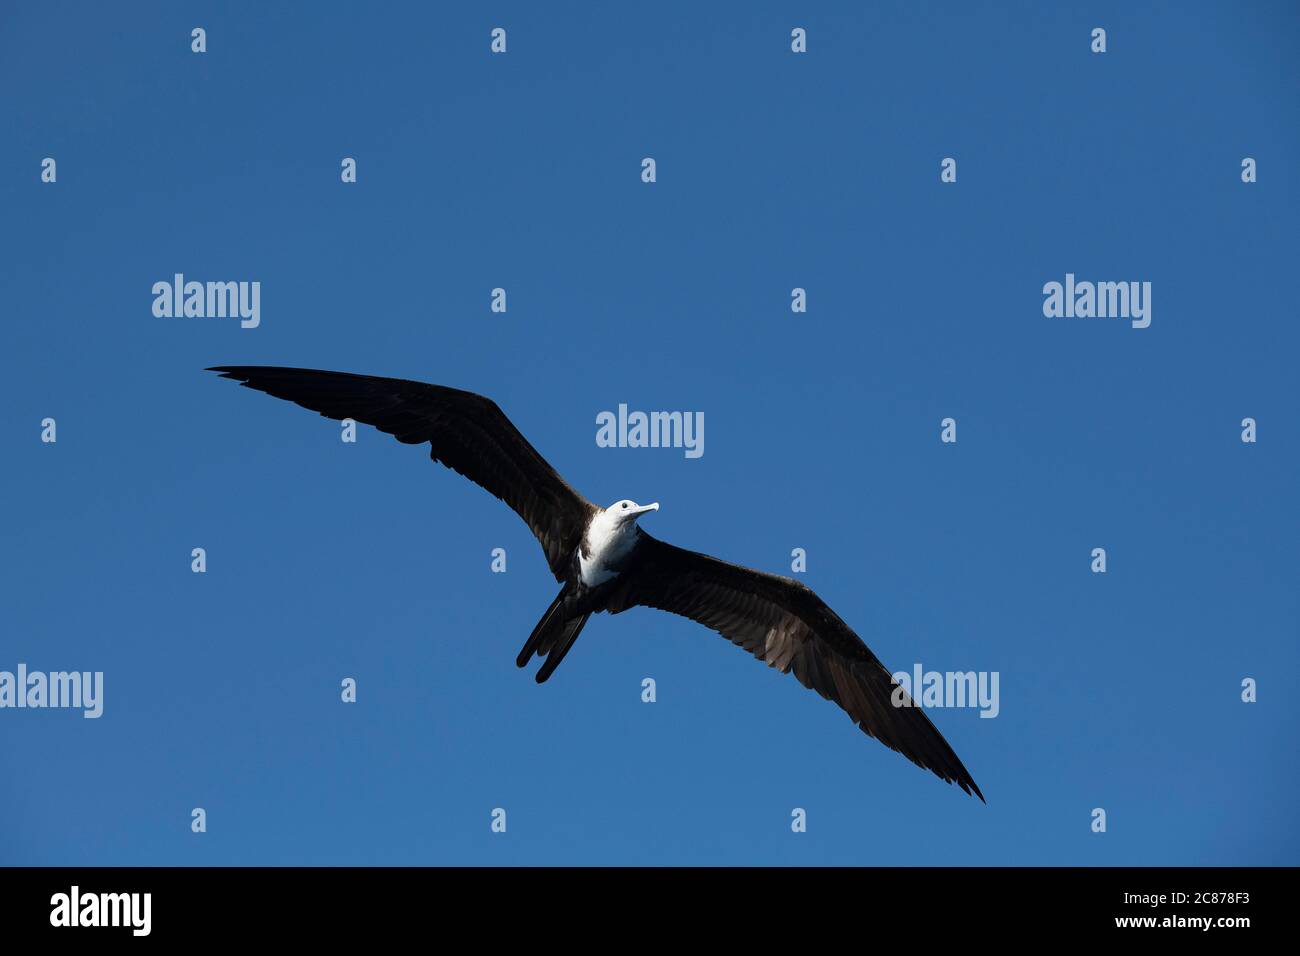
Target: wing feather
785, 624
466, 432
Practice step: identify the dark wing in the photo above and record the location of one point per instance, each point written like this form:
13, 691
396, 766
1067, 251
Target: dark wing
468, 433
784, 623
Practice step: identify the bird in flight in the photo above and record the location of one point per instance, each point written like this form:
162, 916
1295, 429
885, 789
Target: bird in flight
605, 562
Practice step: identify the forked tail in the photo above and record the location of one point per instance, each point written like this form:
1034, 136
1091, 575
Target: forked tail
553, 635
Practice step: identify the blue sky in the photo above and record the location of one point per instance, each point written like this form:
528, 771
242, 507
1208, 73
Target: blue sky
325, 560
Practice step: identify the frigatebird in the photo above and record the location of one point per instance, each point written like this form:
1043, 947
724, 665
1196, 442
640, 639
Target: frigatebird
604, 561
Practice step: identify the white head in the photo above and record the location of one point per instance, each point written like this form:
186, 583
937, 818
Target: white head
610, 536
626, 511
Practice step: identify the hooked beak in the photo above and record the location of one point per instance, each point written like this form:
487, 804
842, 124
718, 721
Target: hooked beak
653, 506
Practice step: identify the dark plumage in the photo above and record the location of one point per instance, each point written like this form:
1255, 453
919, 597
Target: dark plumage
606, 563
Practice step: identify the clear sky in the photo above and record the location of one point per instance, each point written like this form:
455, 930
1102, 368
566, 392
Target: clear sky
775, 170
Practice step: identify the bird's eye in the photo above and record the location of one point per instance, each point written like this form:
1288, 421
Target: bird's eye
625, 506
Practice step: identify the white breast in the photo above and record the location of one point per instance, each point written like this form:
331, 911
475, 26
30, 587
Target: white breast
607, 543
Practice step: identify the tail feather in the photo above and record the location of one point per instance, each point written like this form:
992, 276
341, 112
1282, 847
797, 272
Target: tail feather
553, 635
543, 636
567, 635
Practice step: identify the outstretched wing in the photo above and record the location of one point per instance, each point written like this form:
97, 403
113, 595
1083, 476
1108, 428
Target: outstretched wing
466, 432
785, 624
